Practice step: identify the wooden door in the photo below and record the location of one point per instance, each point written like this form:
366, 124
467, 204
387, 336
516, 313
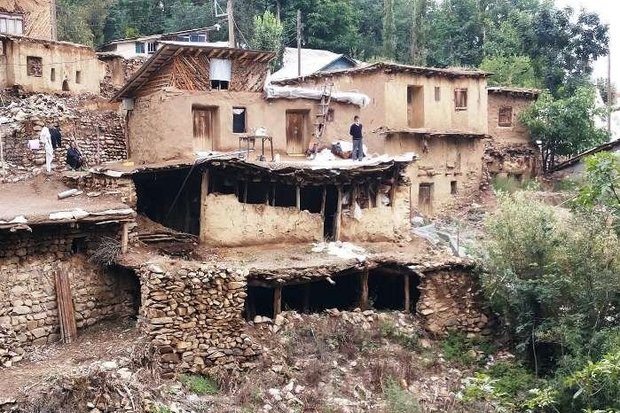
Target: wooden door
204, 119
415, 106
425, 199
296, 132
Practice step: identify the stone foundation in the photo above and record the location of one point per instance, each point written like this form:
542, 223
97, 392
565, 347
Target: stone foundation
28, 262
194, 316
450, 300
123, 186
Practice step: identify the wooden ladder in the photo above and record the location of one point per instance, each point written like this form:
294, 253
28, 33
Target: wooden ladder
320, 123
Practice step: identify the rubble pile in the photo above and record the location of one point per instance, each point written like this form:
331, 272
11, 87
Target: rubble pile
99, 134
11, 350
512, 159
193, 316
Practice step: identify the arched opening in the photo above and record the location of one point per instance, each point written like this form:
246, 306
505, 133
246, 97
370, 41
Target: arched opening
65, 85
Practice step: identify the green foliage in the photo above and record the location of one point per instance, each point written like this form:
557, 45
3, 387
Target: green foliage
389, 330
510, 71
598, 384
389, 30
602, 183
457, 348
268, 35
199, 385
564, 126
398, 399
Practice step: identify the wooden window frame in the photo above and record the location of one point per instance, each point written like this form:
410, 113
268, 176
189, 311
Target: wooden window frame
460, 99
504, 120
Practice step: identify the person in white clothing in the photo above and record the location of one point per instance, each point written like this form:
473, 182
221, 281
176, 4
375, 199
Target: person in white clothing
46, 140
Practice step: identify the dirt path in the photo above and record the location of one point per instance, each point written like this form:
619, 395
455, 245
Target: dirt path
103, 342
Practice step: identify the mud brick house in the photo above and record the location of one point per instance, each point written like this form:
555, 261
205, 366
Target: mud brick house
190, 98
31, 18
49, 66
510, 152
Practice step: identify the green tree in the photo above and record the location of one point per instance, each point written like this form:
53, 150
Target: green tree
268, 35
389, 30
418, 31
602, 183
565, 126
510, 71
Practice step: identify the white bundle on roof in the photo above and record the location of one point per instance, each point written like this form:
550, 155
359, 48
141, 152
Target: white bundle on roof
290, 92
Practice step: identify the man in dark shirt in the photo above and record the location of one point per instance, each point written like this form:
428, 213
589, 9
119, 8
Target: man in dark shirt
56, 136
74, 157
356, 133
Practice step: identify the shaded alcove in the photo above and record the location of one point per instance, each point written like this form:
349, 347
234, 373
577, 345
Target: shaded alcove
387, 286
171, 198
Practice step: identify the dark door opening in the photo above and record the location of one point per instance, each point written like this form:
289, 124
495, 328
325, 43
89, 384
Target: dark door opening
259, 302
331, 208
386, 288
171, 198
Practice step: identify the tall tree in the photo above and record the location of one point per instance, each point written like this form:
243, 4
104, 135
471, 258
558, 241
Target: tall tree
418, 31
268, 31
389, 30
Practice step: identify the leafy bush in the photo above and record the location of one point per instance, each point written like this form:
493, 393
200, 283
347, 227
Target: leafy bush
199, 385
398, 399
457, 349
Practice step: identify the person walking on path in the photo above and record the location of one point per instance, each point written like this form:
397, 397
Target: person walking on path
356, 133
46, 140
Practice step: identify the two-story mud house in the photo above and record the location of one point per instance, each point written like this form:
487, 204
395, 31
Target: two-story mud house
31, 18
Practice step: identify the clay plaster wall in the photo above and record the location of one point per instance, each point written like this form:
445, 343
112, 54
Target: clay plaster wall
66, 59
382, 223
450, 300
388, 107
227, 222
37, 15
27, 287
517, 133
161, 125
441, 161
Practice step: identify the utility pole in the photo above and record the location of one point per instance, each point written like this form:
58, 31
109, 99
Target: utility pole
231, 23
299, 43
609, 94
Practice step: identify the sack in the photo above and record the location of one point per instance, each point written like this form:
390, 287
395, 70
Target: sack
34, 144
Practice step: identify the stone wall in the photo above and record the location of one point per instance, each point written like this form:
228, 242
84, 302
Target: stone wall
194, 316
99, 134
450, 300
516, 132
517, 160
28, 262
123, 186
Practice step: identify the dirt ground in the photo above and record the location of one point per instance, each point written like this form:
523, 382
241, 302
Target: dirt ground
105, 341
38, 197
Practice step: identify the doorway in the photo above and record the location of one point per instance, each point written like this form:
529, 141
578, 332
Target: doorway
415, 106
296, 124
331, 209
425, 198
204, 127
65, 85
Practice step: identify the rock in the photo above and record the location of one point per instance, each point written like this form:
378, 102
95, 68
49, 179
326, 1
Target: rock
109, 365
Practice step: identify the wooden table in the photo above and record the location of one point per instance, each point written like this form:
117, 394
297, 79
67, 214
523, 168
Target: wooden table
252, 139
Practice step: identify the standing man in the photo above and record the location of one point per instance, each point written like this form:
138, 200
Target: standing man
56, 136
46, 140
356, 133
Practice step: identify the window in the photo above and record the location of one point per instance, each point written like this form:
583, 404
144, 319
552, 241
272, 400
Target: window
453, 188
505, 116
78, 76
152, 47
220, 73
437, 93
34, 66
53, 74
140, 47
460, 99
11, 23
197, 38
239, 121
219, 84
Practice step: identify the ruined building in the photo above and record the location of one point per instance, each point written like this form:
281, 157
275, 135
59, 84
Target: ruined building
30, 18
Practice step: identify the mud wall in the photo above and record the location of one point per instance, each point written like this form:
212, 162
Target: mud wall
227, 222
158, 117
124, 186
37, 16
76, 64
381, 223
441, 161
194, 316
28, 262
517, 133
450, 300
517, 160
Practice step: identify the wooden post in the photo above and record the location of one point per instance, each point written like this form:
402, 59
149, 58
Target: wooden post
277, 301
125, 238
245, 192
273, 194
204, 192
323, 201
267, 194
338, 217
407, 298
378, 195
306, 298
298, 197
364, 289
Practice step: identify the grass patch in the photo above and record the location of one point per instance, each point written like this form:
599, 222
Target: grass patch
200, 385
399, 400
512, 379
456, 348
389, 330
510, 184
